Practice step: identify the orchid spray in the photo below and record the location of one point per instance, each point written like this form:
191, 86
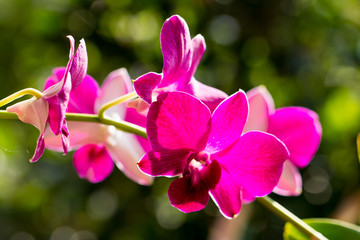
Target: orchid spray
232, 149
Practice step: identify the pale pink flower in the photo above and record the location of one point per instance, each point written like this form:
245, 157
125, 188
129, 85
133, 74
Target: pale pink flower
51, 107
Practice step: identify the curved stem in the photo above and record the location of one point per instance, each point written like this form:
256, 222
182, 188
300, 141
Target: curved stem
286, 215
20, 93
116, 101
81, 117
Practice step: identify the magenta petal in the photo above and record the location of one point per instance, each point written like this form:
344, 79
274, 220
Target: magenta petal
79, 64
166, 163
145, 84
290, 183
71, 52
228, 121
57, 75
227, 195
57, 107
65, 137
177, 120
212, 97
246, 198
82, 98
198, 49
186, 197
40, 148
209, 175
176, 48
255, 162
261, 105
53, 90
93, 162
190, 193
299, 128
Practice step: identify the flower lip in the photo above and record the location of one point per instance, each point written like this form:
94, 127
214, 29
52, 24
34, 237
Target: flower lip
200, 168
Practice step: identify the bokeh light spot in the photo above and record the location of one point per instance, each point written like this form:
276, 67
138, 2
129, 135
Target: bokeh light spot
317, 188
102, 204
62, 233
168, 216
224, 29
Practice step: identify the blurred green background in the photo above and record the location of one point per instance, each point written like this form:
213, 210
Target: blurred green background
306, 52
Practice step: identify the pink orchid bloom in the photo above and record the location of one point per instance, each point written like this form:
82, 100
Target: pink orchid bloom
298, 127
98, 146
181, 57
51, 107
210, 153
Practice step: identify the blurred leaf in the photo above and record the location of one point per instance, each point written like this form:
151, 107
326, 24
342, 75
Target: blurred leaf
358, 145
341, 113
330, 228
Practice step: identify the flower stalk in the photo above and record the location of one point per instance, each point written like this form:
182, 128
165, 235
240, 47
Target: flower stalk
80, 117
119, 124
286, 215
122, 99
23, 92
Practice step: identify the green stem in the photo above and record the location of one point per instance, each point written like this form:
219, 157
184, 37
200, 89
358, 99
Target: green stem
80, 117
116, 101
288, 216
119, 124
20, 93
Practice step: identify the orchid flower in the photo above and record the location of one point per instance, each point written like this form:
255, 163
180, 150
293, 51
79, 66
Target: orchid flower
51, 106
98, 146
298, 127
209, 152
181, 57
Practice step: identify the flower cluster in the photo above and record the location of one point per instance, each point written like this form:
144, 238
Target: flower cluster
230, 148
98, 146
